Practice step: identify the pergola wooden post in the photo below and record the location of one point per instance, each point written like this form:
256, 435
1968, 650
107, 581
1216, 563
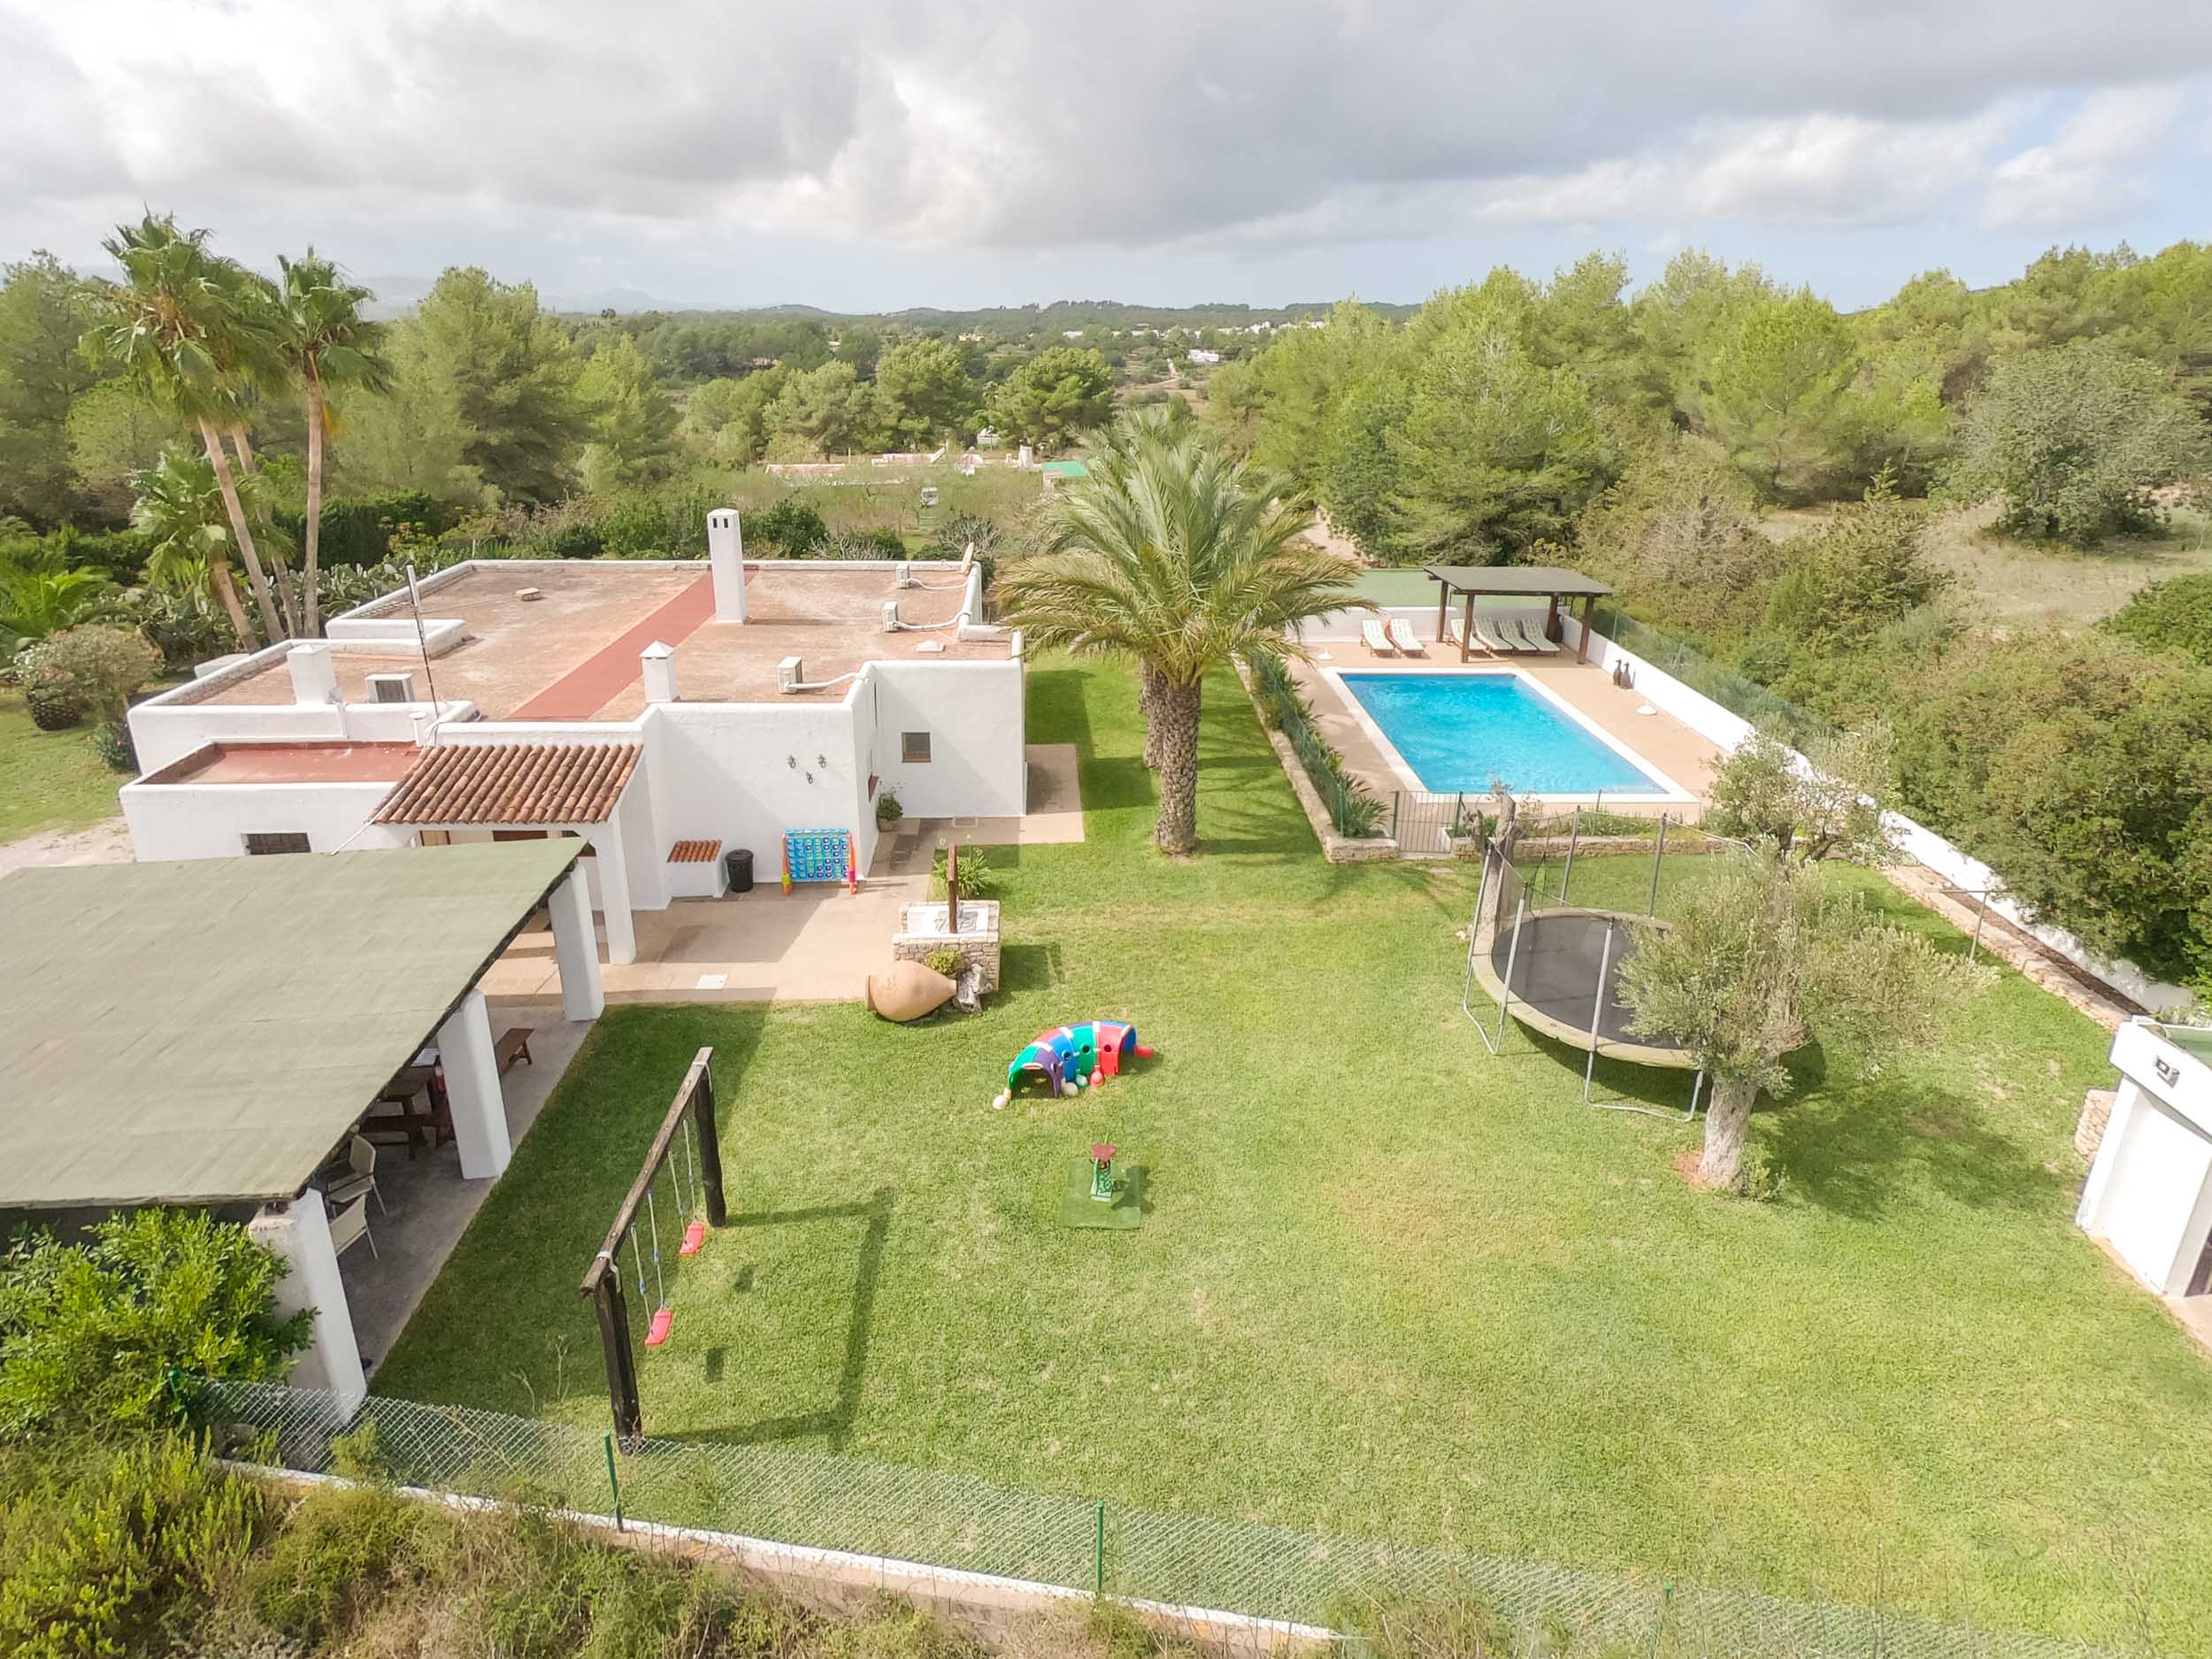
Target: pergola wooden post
1467, 627
1443, 607
1589, 616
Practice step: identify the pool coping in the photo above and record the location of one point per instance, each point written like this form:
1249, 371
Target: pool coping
1672, 792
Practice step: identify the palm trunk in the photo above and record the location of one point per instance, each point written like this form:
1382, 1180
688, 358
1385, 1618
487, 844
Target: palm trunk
1148, 682
226, 595
1175, 720
1725, 1121
254, 578
288, 601
310, 537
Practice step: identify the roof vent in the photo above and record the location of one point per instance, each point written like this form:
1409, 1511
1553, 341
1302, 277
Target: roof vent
790, 675
931, 647
391, 687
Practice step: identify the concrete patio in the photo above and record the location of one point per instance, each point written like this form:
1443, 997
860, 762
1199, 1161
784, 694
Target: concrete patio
813, 944
427, 1202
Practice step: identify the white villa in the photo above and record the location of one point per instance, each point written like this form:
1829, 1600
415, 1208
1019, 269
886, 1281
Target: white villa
662, 712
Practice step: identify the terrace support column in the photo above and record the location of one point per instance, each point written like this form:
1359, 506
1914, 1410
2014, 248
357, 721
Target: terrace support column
614, 892
575, 948
1551, 618
1443, 610
1589, 615
472, 1091
1467, 627
299, 1232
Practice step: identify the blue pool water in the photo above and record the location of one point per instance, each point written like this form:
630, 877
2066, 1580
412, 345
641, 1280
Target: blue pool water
1465, 731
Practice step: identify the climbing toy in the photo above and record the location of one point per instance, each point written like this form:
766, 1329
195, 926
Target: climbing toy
1073, 1057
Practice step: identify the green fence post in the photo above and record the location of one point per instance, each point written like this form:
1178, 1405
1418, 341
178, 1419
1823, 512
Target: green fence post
175, 1380
614, 1484
1098, 1550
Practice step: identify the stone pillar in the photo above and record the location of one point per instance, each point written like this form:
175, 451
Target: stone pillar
725, 554
614, 892
472, 1091
299, 1232
658, 663
583, 994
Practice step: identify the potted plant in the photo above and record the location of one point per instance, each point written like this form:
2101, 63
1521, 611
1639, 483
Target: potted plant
889, 811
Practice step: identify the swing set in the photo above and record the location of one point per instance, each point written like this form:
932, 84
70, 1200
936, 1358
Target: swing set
684, 1165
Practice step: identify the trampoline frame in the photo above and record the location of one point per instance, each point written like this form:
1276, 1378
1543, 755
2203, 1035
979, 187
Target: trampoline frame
1481, 942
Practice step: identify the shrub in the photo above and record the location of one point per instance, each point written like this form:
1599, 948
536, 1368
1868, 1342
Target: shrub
947, 960
52, 708
185, 628
789, 526
340, 1550
2172, 615
1284, 707
360, 529
117, 1559
91, 669
888, 811
978, 881
635, 527
862, 544
111, 741
90, 1332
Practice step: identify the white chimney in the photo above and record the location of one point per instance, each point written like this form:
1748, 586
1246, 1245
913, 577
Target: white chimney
659, 661
725, 552
314, 675
1022, 457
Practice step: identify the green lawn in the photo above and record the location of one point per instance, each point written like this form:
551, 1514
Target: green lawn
48, 780
1390, 1285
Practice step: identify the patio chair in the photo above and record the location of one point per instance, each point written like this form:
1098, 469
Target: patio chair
1402, 635
361, 1158
1492, 637
349, 1225
1377, 640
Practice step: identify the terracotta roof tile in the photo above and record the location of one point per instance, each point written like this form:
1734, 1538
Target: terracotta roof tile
511, 783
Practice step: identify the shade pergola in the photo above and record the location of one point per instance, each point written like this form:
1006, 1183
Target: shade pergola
206, 1032
1549, 582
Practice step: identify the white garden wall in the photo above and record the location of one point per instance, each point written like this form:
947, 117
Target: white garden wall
1726, 728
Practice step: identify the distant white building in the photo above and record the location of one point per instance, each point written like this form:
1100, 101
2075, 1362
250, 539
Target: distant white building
1071, 334
1198, 353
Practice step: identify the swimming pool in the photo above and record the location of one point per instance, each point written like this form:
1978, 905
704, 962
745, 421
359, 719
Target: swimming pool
1461, 733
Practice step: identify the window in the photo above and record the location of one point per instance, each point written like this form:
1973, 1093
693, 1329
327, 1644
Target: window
278, 841
914, 748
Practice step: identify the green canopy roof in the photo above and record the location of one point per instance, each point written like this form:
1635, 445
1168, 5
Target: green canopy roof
207, 1032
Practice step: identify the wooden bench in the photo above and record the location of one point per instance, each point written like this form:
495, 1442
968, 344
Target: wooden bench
514, 1045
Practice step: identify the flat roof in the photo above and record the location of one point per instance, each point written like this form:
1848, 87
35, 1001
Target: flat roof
1515, 579
244, 762
207, 1032
572, 652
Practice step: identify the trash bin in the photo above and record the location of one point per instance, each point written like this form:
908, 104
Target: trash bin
739, 862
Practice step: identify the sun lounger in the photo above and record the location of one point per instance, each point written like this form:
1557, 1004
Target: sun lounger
1402, 635
1491, 639
1377, 640
1531, 636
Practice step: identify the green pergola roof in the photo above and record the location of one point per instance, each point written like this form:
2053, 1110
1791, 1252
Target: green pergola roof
1530, 580
207, 1031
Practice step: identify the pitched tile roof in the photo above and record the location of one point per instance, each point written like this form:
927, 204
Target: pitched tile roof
511, 783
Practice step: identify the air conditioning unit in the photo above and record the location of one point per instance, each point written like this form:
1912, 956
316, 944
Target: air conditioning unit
392, 688
890, 616
904, 574
790, 675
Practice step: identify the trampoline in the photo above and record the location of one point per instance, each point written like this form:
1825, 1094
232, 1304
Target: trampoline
1558, 973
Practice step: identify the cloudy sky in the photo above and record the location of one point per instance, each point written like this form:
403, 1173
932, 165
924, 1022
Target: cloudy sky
860, 155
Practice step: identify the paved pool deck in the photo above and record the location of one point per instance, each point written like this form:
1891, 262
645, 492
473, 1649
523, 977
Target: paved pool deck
1659, 738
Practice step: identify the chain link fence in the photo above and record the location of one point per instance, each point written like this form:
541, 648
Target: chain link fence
949, 1521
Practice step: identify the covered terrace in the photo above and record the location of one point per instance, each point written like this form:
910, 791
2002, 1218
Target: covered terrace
213, 1032
1549, 582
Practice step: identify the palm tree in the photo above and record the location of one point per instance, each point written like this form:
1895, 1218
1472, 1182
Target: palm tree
1170, 554
192, 330
180, 506
330, 346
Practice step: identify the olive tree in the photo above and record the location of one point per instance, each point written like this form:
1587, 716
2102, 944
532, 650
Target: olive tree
1825, 804
1762, 953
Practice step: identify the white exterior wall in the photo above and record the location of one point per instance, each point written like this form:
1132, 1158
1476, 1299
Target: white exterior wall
165, 732
737, 772
211, 820
2149, 1193
974, 715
